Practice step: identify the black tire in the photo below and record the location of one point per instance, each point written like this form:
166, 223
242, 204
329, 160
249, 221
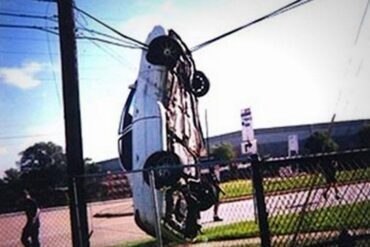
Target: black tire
167, 176
200, 84
165, 51
205, 193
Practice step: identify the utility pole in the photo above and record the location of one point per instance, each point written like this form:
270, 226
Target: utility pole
72, 119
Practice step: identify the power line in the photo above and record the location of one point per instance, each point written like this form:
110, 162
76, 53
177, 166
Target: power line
107, 42
25, 39
49, 30
361, 22
108, 51
281, 10
110, 28
107, 35
51, 60
49, 18
28, 136
40, 28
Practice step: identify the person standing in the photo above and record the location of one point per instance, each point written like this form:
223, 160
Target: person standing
216, 178
30, 232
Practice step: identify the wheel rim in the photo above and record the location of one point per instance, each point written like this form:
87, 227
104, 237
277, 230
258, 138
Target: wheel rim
200, 84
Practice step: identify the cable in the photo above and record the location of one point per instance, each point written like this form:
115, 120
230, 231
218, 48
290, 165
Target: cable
49, 18
281, 10
108, 51
107, 42
59, 98
361, 22
108, 36
45, 29
110, 28
28, 136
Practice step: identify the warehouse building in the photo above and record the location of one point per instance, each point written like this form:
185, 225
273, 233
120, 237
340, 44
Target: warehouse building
274, 141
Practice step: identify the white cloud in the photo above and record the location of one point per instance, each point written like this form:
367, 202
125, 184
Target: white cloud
23, 77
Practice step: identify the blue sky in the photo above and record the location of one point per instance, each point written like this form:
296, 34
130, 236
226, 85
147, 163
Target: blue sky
300, 67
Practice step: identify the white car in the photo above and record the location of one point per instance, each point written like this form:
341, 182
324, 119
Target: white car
159, 127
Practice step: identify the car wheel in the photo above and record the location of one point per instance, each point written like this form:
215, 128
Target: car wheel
167, 176
200, 84
164, 50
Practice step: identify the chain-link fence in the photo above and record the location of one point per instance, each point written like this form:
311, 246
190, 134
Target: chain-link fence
318, 200
321, 200
54, 229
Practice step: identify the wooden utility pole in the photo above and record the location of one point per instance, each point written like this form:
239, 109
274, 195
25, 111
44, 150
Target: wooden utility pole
72, 119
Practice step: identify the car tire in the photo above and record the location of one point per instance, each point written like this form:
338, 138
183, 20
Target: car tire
165, 51
200, 84
163, 177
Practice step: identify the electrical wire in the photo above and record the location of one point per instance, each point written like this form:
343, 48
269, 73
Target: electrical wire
59, 98
144, 46
45, 29
362, 22
107, 50
274, 13
49, 18
50, 30
132, 45
106, 41
28, 136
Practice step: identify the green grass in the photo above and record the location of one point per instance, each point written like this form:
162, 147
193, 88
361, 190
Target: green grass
236, 188
139, 243
325, 219
240, 188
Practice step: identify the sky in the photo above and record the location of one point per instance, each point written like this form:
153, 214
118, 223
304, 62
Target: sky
300, 67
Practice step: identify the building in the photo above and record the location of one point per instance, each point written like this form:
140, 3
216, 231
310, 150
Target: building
274, 141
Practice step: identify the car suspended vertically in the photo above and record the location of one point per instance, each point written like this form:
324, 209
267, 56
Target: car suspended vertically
160, 127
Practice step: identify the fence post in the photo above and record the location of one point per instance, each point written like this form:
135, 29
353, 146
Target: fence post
259, 198
158, 231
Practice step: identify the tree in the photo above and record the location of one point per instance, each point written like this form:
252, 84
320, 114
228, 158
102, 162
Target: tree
320, 142
364, 136
43, 171
12, 175
10, 188
223, 152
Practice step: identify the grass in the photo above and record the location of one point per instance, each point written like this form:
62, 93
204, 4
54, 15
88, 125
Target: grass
353, 216
139, 243
241, 188
325, 219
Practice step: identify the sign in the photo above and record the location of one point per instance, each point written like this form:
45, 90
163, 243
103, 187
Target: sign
293, 145
249, 143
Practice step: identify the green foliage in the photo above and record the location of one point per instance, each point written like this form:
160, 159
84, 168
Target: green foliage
364, 136
10, 188
43, 166
320, 142
223, 152
43, 171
